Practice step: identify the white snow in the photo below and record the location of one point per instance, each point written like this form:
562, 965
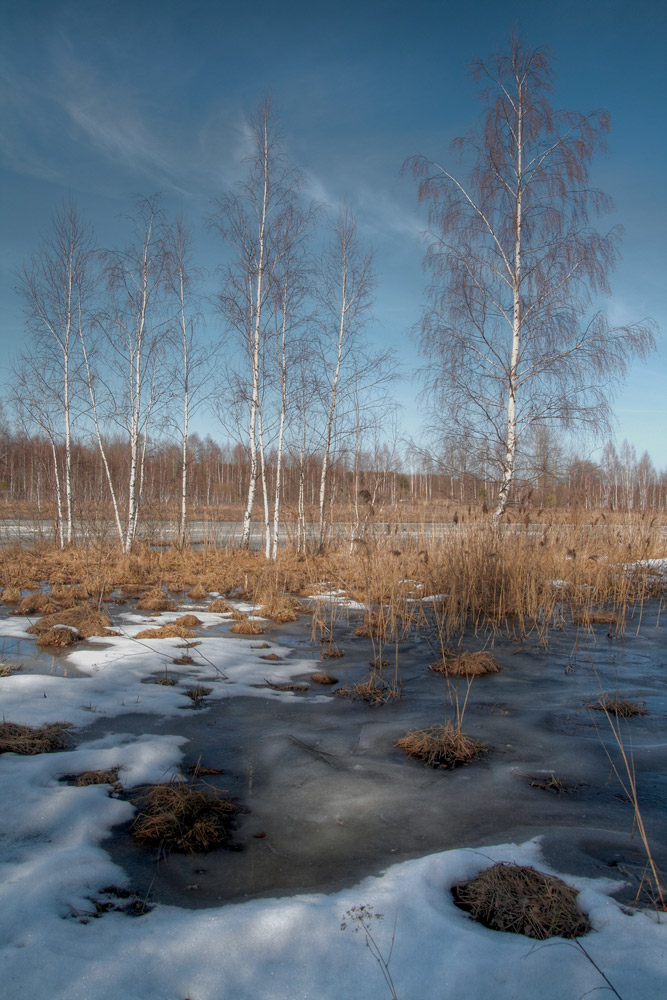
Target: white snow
293, 948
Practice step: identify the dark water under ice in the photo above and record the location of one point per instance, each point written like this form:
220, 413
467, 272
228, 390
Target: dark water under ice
327, 799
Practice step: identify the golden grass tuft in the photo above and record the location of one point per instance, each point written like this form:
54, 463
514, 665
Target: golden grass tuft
198, 593
469, 664
188, 621
623, 708
29, 740
11, 595
247, 627
597, 616
373, 626
322, 678
59, 635
442, 746
38, 604
375, 691
330, 651
172, 631
520, 900
84, 618
280, 608
155, 600
85, 778
179, 817
220, 606
198, 693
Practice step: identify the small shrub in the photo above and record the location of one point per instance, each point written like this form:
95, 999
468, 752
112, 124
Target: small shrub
441, 746
522, 900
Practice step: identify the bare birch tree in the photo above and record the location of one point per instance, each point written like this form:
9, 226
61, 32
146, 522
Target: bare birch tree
248, 220
55, 287
517, 266
346, 284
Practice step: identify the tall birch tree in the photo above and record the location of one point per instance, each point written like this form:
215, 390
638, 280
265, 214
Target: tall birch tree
513, 333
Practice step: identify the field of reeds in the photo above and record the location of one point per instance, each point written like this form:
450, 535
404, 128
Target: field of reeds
479, 576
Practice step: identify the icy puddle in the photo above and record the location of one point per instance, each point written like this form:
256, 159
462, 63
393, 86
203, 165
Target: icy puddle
326, 798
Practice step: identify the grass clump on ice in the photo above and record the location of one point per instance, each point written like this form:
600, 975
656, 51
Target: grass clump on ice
155, 600
521, 900
59, 635
180, 817
247, 627
84, 618
187, 621
323, 678
469, 664
374, 690
624, 708
172, 631
29, 740
280, 608
85, 778
442, 746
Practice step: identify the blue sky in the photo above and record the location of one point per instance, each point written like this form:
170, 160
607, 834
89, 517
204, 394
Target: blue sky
105, 100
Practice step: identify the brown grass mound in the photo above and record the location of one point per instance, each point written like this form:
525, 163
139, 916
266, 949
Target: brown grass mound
28, 740
38, 604
220, 606
320, 678
375, 691
441, 746
373, 626
59, 635
69, 597
468, 664
281, 608
182, 818
188, 621
596, 616
624, 708
198, 693
86, 778
155, 600
246, 627
172, 631
84, 618
198, 593
330, 651
11, 595
522, 900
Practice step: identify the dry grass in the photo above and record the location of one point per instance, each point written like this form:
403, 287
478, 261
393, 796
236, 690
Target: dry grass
442, 746
187, 621
180, 817
155, 600
11, 595
622, 708
330, 651
172, 631
247, 627
321, 678
29, 740
59, 635
198, 593
84, 618
197, 694
220, 606
521, 900
285, 687
109, 777
597, 616
166, 681
466, 664
374, 626
37, 604
375, 691
281, 608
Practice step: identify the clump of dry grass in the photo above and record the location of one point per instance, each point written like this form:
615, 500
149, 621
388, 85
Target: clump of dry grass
180, 817
521, 900
285, 687
29, 740
69, 597
6, 669
321, 678
247, 627
85, 778
198, 593
187, 621
59, 635
597, 616
11, 595
166, 681
330, 651
375, 690
37, 604
442, 746
84, 618
155, 600
280, 608
624, 708
374, 626
469, 664
197, 694
220, 606
172, 631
